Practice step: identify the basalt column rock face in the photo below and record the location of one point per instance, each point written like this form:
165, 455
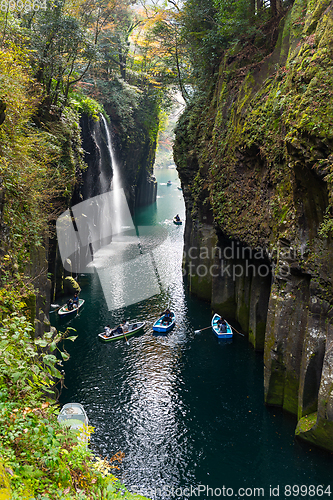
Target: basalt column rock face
96, 179
2, 111
235, 279
255, 157
39, 302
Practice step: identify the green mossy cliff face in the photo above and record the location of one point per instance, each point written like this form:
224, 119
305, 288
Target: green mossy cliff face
255, 157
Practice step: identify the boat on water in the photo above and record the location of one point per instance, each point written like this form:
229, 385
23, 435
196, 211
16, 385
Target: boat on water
162, 325
180, 189
64, 309
178, 222
216, 329
73, 415
169, 183
132, 329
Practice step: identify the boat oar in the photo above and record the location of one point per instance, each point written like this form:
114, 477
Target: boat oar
242, 334
197, 331
125, 337
56, 308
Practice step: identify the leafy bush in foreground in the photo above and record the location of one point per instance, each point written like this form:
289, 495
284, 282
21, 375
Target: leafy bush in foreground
43, 459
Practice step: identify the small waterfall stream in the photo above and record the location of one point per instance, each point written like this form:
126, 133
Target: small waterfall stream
116, 181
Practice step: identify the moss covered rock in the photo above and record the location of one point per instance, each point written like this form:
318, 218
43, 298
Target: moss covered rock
71, 285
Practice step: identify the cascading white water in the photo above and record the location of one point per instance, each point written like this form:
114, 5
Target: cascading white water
121, 218
105, 228
116, 181
125, 274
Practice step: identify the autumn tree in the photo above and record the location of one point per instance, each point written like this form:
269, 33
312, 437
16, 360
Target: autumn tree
159, 52
115, 39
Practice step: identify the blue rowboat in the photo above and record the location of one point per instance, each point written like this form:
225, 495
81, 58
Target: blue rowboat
178, 222
162, 326
221, 335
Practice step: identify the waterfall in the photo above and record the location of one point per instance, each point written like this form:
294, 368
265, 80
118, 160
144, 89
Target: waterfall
119, 203
99, 235
126, 276
116, 181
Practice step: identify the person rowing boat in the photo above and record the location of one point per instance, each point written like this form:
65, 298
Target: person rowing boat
75, 300
222, 325
167, 316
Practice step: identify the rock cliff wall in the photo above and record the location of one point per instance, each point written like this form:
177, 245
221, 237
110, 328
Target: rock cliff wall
255, 158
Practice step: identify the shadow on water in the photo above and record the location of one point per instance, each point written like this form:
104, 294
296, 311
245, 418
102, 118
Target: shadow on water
185, 408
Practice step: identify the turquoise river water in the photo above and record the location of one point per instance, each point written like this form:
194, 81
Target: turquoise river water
186, 409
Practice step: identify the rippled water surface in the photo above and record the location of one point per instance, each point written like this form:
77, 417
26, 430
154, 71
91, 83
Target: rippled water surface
186, 409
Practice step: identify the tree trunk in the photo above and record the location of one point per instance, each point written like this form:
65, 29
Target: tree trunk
259, 5
252, 8
122, 60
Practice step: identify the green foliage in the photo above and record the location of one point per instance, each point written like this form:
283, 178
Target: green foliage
22, 155
123, 98
201, 31
21, 365
63, 50
87, 105
213, 27
35, 163
234, 18
326, 227
265, 123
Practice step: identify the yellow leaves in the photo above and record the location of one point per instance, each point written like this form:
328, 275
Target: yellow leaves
15, 82
154, 39
103, 466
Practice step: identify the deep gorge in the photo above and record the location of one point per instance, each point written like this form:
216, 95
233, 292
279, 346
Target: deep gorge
254, 154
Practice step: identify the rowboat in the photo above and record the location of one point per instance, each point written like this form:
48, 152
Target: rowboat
73, 415
132, 329
64, 309
221, 335
177, 222
162, 326
169, 183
